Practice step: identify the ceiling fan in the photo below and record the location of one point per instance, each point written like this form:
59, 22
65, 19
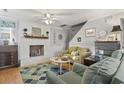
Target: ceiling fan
48, 18
53, 15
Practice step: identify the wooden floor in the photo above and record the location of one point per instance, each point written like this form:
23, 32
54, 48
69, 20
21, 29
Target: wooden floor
67, 66
13, 76
10, 76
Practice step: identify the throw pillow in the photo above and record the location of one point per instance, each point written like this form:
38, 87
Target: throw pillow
74, 53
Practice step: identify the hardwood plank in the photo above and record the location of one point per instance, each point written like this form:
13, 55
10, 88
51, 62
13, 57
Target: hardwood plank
10, 76
66, 66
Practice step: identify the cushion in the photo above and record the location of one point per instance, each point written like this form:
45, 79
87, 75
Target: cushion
101, 72
65, 51
83, 49
79, 68
68, 55
74, 53
119, 76
71, 78
52, 78
122, 54
122, 58
72, 49
117, 81
117, 54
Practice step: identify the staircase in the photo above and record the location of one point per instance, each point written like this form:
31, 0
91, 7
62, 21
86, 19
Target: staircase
74, 30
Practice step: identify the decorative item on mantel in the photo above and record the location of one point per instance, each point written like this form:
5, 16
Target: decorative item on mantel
47, 33
36, 37
42, 35
25, 31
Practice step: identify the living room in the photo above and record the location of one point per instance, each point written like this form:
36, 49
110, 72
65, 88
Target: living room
38, 44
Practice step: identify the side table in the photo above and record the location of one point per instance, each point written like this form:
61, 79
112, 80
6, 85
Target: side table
92, 59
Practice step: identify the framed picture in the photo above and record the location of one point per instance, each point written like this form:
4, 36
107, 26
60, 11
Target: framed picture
90, 32
78, 39
36, 31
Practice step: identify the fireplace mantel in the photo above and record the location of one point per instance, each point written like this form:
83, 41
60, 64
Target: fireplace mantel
35, 37
107, 46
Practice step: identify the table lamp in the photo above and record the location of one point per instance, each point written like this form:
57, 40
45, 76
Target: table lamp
116, 28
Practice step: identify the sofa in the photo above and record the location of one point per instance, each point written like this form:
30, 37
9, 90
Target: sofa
107, 71
76, 54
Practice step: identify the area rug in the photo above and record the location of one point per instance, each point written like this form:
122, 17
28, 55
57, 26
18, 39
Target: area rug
37, 74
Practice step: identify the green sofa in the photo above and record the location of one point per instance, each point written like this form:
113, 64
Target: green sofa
107, 71
78, 52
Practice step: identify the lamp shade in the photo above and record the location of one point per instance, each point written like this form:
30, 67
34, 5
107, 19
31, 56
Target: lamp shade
116, 28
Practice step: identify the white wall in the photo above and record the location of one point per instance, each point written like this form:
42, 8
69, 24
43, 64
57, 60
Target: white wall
89, 41
50, 47
100, 26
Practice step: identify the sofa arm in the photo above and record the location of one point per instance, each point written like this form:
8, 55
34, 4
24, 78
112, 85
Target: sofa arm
79, 68
52, 78
85, 54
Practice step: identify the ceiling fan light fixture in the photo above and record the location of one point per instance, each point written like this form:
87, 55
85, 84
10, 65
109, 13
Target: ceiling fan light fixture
48, 18
48, 22
47, 15
53, 18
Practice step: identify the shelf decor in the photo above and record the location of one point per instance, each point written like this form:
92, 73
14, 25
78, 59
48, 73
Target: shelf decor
36, 31
36, 34
25, 31
47, 33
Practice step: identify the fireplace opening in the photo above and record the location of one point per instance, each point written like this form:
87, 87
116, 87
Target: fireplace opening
36, 50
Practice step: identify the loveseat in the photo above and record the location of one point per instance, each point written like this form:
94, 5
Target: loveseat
108, 70
77, 54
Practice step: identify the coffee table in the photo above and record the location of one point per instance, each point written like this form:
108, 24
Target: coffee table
60, 62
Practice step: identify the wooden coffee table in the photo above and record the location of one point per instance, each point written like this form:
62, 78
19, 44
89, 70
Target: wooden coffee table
57, 60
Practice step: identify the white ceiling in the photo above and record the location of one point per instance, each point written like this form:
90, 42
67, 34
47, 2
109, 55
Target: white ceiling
64, 16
